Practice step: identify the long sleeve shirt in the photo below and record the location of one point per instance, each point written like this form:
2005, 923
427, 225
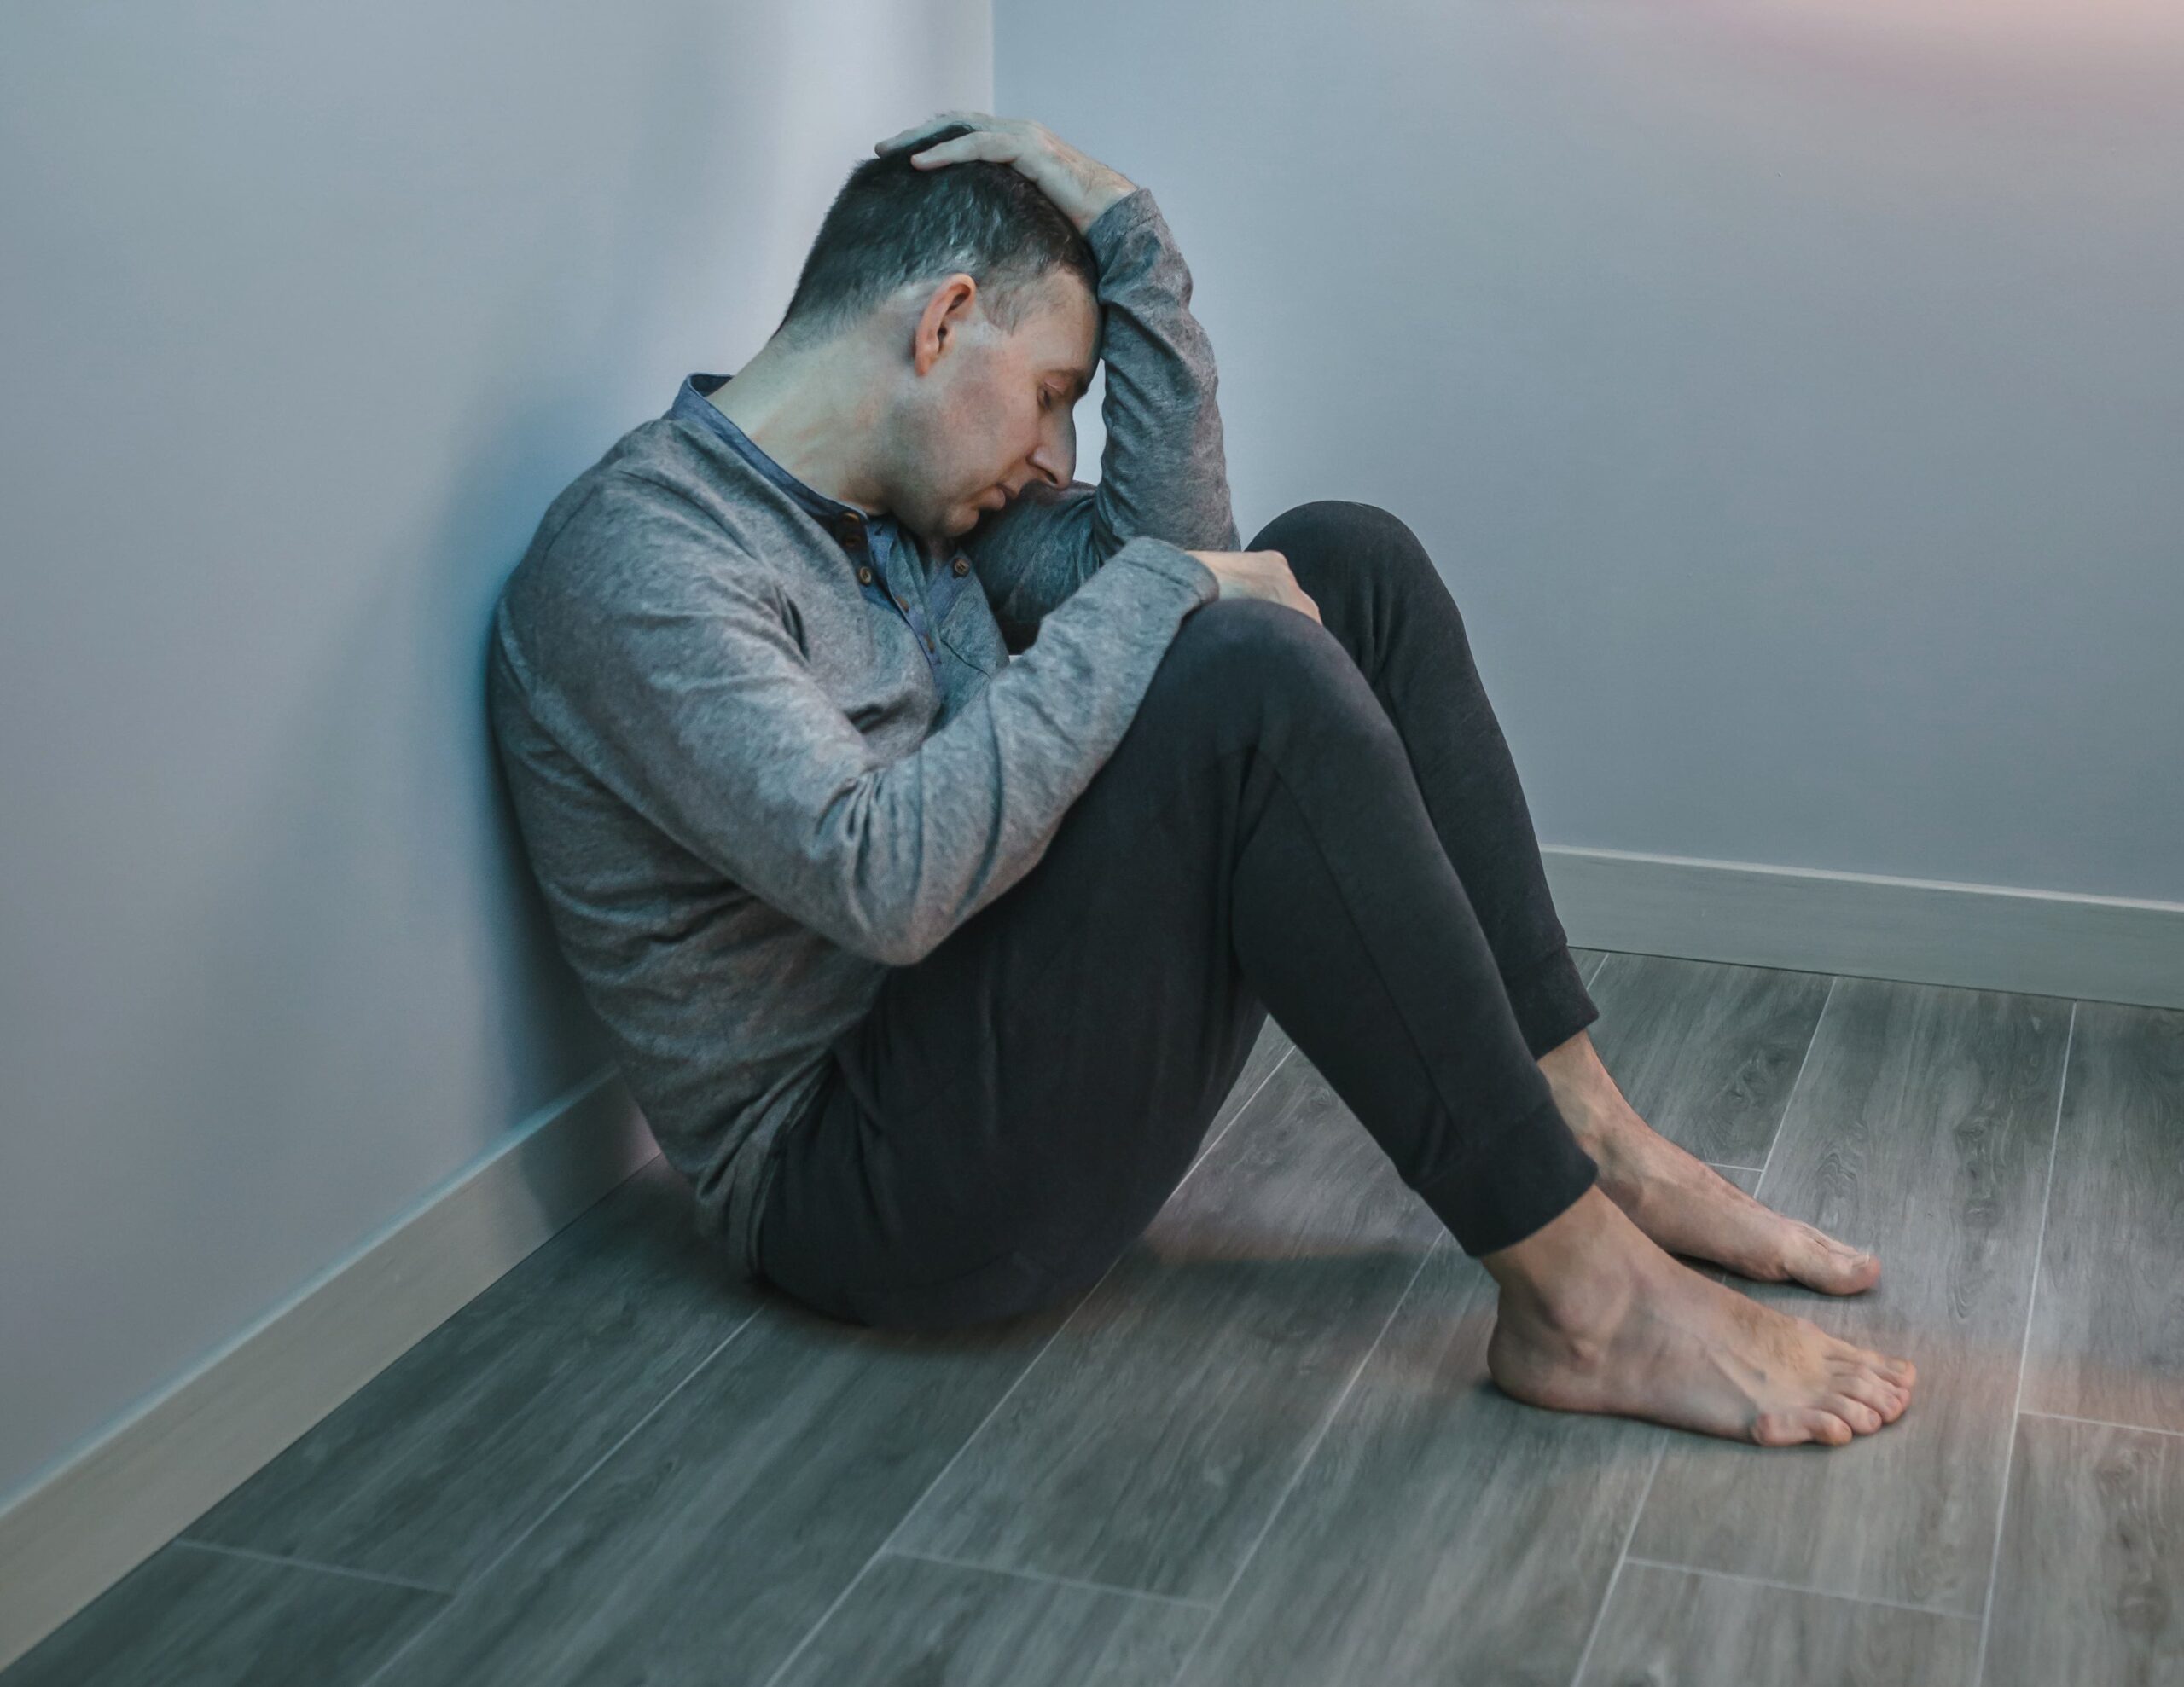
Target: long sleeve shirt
762, 747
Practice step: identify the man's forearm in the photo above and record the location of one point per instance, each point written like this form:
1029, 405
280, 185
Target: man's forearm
1164, 470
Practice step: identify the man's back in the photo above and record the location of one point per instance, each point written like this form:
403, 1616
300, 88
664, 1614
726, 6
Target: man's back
653, 549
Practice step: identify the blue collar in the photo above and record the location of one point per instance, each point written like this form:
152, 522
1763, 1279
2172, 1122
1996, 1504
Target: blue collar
691, 405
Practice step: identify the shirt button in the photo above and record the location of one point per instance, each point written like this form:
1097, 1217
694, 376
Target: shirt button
864, 576
850, 530
963, 567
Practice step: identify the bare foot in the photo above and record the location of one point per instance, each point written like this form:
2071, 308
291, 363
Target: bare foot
1684, 1203
1594, 1317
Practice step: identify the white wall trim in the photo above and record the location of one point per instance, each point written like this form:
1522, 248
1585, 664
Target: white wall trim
72, 1532
2044, 943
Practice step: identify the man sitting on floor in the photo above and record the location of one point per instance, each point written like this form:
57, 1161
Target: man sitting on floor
934, 832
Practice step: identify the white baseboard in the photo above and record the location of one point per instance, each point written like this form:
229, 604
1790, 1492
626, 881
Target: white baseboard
71, 1533
2091, 949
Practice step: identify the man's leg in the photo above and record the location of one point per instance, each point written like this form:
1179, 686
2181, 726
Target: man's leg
1018, 1105
1381, 597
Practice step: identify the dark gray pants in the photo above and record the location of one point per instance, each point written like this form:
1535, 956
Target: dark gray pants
1320, 823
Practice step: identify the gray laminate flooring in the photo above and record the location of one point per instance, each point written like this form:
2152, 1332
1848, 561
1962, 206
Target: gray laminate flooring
1265, 1449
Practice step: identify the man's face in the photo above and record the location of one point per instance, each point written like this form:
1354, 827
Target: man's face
996, 411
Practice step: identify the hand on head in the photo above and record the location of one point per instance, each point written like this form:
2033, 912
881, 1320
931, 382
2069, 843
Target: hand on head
1080, 185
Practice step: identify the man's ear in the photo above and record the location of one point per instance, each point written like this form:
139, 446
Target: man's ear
942, 323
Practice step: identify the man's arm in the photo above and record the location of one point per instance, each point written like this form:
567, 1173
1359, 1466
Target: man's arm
663, 660
1163, 470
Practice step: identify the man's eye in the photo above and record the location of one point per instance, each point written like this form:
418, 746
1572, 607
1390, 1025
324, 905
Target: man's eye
1045, 394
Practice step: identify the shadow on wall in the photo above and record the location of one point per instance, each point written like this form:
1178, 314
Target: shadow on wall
388, 839
306, 371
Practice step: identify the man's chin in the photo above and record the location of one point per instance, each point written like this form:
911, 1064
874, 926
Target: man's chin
956, 520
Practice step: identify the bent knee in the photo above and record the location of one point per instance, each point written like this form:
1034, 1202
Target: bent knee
1236, 643
1239, 664
1332, 535
1337, 522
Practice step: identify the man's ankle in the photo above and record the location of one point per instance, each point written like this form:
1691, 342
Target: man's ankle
1578, 1243
1580, 1082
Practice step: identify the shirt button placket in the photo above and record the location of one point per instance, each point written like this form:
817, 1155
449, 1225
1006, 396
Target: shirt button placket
849, 531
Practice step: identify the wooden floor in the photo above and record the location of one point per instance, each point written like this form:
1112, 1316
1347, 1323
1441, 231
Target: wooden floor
1263, 1450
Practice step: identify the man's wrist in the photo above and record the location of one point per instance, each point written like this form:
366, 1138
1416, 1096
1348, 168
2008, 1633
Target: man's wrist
1096, 198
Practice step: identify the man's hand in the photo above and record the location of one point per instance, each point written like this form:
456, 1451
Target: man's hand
1081, 186
1258, 574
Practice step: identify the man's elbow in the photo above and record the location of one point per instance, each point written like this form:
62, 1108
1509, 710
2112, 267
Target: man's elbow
903, 940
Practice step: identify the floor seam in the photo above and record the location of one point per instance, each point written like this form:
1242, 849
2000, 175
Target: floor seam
1660, 1452
1622, 1557
1215, 1141
1050, 1579
1281, 1499
2024, 1347
2098, 1422
1782, 1120
477, 1579
257, 1555
1032, 1365
1795, 1587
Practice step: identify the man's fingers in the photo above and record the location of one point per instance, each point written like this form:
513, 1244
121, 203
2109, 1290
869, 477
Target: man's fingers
983, 144
1081, 188
932, 125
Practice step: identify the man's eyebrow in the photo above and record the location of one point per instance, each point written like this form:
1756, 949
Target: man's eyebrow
1080, 380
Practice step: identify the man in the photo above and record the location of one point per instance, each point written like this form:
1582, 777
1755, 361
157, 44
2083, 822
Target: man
934, 832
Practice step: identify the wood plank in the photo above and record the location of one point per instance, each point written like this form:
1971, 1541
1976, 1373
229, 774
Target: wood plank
123, 1496
1441, 1531
190, 1616
1272, 1048
1429, 1486
447, 1455
2090, 1584
1706, 1053
2108, 1321
1922, 1128
1147, 1447
1698, 1630
910, 1622
718, 1535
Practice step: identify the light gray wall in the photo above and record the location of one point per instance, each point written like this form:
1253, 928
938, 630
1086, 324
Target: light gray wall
308, 312
1794, 393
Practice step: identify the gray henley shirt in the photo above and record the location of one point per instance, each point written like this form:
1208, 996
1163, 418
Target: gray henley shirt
762, 747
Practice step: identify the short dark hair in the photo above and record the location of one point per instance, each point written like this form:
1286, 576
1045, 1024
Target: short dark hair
893, 223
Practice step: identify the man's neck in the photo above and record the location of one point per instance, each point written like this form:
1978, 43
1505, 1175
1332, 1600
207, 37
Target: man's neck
799, 411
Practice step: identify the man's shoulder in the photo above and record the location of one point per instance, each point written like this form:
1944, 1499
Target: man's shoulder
663, 501
668, 531
659, 468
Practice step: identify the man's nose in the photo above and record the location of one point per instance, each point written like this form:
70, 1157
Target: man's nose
1055, 458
